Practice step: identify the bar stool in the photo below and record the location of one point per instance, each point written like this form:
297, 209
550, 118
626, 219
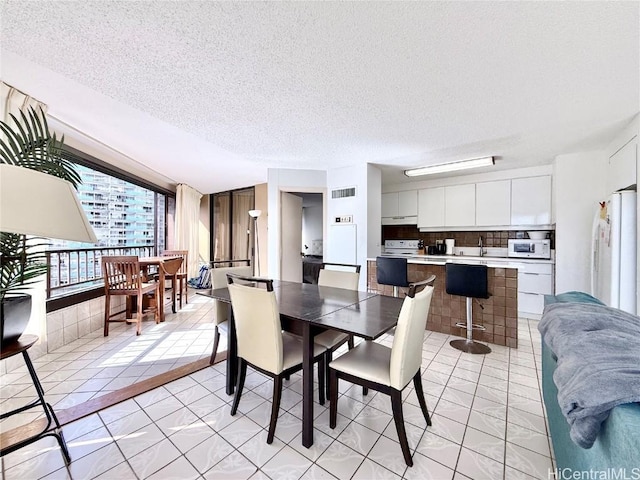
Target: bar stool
392, 271
469, 281
21, 346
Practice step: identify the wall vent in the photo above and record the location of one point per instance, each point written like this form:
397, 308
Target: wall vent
343, 192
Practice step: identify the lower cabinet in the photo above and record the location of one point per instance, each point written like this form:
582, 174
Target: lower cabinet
534, 282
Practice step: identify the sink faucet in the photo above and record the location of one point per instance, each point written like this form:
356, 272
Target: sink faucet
480, 245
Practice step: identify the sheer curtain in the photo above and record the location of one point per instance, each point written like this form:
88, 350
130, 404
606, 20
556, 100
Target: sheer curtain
187, 224
13, 100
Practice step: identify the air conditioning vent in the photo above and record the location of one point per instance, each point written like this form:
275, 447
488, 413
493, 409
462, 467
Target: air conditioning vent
343, 192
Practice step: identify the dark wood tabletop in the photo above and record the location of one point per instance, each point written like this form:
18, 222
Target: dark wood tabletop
308, 309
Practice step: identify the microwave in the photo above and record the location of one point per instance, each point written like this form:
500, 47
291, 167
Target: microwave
527, 248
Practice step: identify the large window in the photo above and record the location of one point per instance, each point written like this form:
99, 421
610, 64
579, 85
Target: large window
232, 229
127, 216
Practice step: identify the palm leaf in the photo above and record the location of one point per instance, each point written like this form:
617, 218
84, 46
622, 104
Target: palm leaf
30, 144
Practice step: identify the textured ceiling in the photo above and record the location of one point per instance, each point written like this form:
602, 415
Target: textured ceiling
213, 93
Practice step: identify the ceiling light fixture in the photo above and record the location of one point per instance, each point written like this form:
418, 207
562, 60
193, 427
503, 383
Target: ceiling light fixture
450, 167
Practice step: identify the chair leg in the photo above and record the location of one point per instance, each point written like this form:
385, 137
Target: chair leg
139, 316
173, 294
275, 407
242, 372
328, 356
156, 314
216, 340
321, 379
183, 281
107, 312
333, 397
398, 418
417, 383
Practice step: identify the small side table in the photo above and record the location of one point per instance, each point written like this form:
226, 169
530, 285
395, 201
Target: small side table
21, 346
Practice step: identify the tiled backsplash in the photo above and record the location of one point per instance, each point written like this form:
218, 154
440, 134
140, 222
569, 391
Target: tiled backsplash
491, 238
498, 313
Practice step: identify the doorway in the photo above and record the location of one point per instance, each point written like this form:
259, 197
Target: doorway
302, 235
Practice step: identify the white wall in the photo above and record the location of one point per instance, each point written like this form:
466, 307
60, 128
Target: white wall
578, 187
286, 180
365, 208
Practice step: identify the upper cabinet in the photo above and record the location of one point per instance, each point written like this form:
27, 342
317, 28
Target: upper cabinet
518, 202
431, 207
531, 200
493, 203
400, 208
460, 205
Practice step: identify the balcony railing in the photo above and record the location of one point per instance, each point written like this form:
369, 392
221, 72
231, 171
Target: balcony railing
72, 270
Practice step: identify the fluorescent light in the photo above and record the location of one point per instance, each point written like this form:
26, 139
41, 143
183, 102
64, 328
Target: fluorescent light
450, 167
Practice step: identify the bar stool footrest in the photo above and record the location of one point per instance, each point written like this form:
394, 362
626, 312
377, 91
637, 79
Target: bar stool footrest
473, 326
470, 346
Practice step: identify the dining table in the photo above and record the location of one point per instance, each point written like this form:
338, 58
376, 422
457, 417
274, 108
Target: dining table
307, 310
167, 267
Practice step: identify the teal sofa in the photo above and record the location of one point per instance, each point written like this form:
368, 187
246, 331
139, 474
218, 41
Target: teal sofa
618, 443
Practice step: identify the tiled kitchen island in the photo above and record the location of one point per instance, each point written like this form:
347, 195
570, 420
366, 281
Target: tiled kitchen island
498, 313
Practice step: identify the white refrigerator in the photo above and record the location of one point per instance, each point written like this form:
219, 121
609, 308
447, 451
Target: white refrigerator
613, 267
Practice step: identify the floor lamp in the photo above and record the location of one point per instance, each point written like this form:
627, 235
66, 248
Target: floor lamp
255, 214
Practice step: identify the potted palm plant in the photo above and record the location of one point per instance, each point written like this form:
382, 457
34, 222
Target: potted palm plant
29, 144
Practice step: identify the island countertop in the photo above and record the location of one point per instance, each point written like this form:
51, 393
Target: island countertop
489, 261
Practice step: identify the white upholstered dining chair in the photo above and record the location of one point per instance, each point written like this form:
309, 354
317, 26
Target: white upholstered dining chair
261, 342
221, 309
347, 278
389, 370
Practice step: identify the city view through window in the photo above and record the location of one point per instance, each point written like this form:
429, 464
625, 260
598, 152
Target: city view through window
121, 213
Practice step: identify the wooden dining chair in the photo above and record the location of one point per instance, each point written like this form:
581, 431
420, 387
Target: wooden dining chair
261, 342
122, 276
389, 370
180, 277
348, 278
221, 309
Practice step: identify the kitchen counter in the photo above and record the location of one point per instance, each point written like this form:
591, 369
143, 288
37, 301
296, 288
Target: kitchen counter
498, 313
489, 261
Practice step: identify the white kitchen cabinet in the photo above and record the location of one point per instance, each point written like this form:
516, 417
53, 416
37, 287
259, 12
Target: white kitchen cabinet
408, 203
534, 282
460, 205
431, 207
390, 204
493, 203
531, 200
400, 208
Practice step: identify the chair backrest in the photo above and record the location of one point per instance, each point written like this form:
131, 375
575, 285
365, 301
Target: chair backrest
466, 280
391, 271
219, 280
122, 274
179, 253
339, 278
257, 321
406, 352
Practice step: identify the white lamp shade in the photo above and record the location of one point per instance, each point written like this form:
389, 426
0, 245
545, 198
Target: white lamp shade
35, 203
255, 213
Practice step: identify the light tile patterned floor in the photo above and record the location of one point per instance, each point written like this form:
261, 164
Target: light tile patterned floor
488, 417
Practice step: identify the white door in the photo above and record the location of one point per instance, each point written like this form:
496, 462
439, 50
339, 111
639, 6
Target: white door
291, 237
